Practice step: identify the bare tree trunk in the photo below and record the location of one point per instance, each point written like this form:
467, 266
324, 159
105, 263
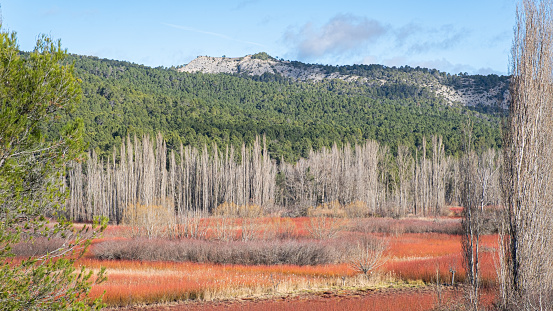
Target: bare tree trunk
528, 155
477, 192
438, 175
405, 174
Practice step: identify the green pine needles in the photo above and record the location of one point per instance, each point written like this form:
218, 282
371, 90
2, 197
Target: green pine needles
36, 90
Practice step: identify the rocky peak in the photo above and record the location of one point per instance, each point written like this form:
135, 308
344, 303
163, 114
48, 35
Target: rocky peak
260, 63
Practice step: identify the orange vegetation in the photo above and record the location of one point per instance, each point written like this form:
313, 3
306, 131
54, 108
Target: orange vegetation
131, 282
411, 256
418, 245
424, 269
418, 256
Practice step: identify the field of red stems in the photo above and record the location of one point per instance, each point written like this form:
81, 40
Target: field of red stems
288, 264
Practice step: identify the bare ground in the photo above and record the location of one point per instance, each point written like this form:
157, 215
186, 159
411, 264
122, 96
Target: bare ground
407, 298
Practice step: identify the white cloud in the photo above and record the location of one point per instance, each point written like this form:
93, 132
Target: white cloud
487, 70
418, 39
443, 64
368, 60
347, 35
347, 38
343, 33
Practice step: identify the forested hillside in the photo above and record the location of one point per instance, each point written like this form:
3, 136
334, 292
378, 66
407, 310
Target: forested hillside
121, 98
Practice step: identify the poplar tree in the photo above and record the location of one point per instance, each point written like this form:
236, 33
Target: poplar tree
526, 274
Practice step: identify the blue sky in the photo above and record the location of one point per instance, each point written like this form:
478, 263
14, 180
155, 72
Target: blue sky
450, 35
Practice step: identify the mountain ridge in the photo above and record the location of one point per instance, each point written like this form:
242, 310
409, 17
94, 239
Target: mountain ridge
388, 105
463, 91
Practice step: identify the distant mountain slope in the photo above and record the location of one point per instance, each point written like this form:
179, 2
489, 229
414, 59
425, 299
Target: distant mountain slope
457, 89
391, 105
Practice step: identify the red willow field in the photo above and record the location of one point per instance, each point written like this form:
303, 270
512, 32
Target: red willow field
201, 273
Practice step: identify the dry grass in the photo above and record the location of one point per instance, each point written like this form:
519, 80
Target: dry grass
451, 226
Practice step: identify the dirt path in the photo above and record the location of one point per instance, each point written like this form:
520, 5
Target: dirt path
378, 299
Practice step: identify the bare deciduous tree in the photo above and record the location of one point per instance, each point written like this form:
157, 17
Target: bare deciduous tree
369, 255
528, 157
404, 162
476, 192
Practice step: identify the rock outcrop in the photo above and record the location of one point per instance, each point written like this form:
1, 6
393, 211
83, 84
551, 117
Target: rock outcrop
466, 93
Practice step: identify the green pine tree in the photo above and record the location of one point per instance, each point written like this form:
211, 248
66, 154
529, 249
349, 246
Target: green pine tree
36, 90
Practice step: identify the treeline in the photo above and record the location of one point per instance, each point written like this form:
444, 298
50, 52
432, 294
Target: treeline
363, 180
414, 75
188, 180
122, 99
